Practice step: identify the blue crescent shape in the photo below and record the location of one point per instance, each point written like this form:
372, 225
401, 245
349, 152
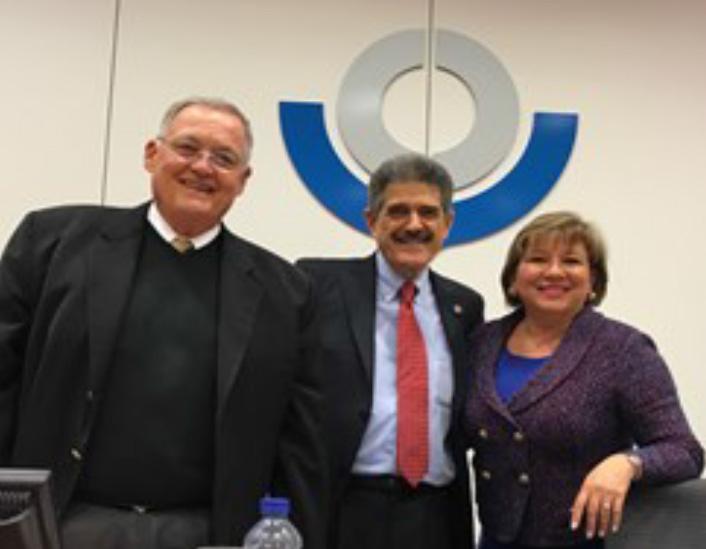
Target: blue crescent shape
538, 169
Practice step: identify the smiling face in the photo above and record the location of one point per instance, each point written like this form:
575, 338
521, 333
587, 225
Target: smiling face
553, 277
198, 167
410, 226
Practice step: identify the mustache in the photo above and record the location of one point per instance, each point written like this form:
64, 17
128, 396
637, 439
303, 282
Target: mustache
413, 237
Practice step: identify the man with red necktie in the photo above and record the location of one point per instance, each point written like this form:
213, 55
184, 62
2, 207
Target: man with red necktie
394, 346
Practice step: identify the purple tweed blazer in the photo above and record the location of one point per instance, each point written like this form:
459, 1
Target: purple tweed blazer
605, 389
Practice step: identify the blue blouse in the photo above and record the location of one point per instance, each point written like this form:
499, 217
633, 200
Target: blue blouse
513, 373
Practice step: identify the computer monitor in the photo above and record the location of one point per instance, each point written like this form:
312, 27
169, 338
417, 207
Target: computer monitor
27, 519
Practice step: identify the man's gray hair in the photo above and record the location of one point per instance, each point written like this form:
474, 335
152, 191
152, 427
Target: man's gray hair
212, 103
409, 168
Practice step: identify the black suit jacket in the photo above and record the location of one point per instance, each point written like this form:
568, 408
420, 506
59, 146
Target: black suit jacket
346, 291
65, 279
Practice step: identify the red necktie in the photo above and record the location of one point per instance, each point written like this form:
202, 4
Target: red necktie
412, 392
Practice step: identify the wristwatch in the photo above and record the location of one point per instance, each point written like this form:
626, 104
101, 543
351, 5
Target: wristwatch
636, 462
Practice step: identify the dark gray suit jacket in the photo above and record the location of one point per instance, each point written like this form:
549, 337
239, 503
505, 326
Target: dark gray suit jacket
604, 389
346, 292
65, 279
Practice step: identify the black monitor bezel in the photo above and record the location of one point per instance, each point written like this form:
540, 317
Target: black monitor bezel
37, 483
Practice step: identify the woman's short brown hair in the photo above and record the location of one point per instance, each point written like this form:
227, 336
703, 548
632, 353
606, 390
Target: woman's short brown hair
566, 226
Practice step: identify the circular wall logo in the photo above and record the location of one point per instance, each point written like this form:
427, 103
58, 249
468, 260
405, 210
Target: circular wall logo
490, 140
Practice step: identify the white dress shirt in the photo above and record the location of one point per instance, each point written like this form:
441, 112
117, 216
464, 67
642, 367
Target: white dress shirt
165, 230
377, 454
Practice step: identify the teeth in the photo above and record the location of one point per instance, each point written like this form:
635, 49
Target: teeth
199, 186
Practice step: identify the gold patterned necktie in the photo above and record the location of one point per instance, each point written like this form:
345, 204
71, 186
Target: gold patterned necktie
182, 244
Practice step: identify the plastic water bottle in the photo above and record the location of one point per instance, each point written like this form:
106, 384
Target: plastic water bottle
273, 530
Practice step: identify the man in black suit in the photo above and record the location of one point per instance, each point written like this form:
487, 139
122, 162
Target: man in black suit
377, 504
167, 387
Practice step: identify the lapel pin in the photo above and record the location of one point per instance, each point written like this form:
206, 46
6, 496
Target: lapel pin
458, 309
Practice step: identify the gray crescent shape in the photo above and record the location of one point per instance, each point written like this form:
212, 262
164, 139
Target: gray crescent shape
362, 93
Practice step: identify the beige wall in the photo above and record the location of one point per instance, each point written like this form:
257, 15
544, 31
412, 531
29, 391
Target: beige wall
54, 77
632, 70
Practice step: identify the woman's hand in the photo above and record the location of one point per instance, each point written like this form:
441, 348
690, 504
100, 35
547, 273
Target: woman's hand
601, 499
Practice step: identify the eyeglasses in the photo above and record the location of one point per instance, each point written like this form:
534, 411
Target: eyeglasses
224, 160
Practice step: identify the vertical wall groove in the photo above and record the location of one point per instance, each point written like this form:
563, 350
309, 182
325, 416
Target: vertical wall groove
428, 89
109, 103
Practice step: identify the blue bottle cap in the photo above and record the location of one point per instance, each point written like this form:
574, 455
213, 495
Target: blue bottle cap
274, 507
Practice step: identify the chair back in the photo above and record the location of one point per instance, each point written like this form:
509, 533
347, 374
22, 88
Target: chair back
664, 517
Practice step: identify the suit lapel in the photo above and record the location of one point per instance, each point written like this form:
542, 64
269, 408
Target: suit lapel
450, 313
574, 345
240, 295
487, 355
111, 265
358, 285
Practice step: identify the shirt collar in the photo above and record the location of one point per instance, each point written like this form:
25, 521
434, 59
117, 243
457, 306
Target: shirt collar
389, 282
168, 234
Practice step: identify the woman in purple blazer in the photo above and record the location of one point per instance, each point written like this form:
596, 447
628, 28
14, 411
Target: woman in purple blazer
567, 408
